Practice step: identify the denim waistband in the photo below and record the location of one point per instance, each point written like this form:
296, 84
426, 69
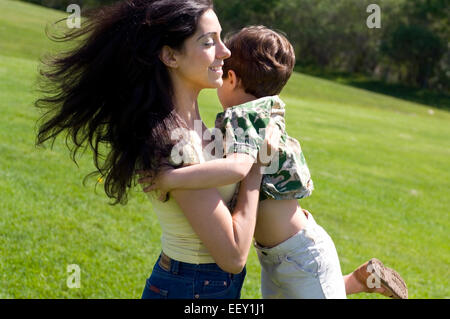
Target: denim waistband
179, 267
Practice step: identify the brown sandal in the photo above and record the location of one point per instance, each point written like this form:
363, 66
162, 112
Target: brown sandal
373, 274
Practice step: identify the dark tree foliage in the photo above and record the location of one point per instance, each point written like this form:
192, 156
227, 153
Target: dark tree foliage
411, 46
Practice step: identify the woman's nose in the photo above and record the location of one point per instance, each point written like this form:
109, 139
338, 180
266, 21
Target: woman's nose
223, 52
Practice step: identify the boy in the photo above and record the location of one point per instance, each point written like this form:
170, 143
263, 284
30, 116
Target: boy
298, 258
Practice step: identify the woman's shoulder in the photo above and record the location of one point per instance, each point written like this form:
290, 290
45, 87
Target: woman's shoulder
187, 150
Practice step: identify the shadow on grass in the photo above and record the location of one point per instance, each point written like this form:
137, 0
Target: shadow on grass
428, 97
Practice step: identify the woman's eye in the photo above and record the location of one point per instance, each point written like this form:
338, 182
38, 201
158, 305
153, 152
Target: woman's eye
209, 44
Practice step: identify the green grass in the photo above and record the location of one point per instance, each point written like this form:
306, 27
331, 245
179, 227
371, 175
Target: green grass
380, 167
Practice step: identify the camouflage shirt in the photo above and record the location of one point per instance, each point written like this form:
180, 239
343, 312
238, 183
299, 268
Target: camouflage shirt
291, 178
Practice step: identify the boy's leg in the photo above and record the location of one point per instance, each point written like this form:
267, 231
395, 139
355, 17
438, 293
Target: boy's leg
269, 289
313, 270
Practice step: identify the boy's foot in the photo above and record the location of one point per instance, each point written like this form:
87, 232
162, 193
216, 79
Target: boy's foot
377, 278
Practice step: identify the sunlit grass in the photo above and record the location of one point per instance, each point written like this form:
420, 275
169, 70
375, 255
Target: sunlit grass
380, 167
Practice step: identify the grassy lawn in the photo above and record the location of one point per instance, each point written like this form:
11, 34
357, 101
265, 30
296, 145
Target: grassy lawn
380, 167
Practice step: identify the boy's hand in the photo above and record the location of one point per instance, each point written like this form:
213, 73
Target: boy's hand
156, 182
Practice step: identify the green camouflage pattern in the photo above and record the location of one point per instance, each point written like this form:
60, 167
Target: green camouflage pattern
243, 129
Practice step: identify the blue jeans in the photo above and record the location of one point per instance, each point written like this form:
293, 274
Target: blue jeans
191, 281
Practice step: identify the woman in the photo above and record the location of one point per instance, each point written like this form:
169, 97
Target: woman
126, 87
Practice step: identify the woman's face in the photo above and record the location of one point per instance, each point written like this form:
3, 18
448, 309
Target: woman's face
201, 59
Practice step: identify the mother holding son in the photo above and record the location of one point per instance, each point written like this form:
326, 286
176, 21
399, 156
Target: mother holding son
132, 82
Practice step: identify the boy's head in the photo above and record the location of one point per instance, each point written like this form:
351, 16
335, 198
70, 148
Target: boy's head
261, 63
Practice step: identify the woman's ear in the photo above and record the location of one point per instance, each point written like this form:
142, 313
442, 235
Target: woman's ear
167, 56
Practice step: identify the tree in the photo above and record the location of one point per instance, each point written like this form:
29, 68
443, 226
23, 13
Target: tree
417, 48
416, 40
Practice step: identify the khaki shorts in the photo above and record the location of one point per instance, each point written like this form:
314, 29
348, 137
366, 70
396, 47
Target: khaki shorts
305, 266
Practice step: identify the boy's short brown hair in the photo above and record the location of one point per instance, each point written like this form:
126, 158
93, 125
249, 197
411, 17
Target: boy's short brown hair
262, 59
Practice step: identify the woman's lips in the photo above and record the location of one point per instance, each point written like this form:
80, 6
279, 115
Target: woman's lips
217, 69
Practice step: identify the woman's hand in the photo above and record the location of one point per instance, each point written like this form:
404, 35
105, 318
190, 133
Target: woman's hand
158, 182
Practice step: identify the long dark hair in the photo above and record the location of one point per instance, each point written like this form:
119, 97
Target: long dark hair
112, 89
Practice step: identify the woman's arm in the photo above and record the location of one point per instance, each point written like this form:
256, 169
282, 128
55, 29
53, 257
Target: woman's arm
227, 236
210, 174
215, 173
